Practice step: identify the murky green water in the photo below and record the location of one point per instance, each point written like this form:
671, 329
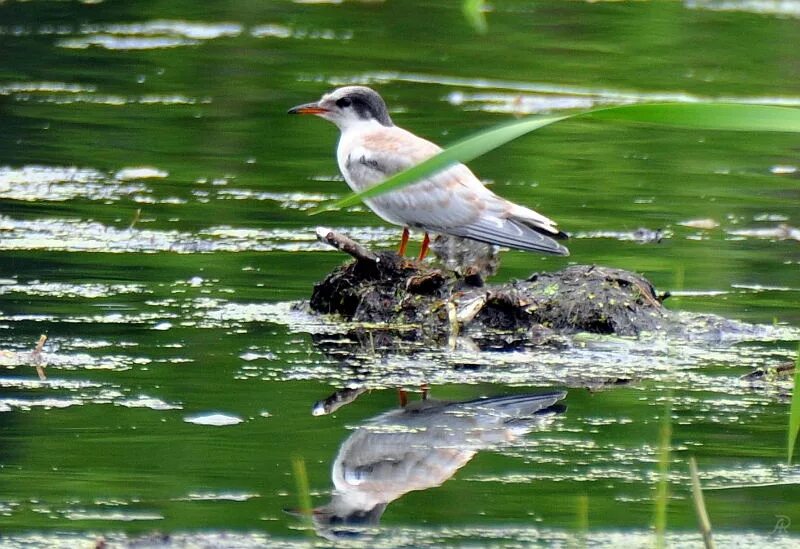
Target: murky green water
158, 320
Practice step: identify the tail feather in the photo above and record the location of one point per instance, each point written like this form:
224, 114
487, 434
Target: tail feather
510, 233
558, 235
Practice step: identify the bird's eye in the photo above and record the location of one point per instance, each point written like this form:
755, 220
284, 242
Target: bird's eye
344, 102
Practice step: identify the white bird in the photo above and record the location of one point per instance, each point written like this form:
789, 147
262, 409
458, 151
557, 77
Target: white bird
419, 447
452, 201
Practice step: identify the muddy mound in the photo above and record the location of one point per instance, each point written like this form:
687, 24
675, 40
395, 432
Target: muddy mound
385, 288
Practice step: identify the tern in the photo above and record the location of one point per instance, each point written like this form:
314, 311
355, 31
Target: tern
451, 202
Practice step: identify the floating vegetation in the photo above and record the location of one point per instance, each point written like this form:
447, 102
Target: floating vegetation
116, 516
218, 496
213, 419
149, 35
779, 232
89, 236
67, 290
60, 183
289, 201
272, 30
780, 8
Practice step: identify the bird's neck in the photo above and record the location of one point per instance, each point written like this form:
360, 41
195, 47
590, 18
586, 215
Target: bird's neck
361, 126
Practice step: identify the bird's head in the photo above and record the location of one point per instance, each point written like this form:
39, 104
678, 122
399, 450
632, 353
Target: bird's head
340, 520
348, 106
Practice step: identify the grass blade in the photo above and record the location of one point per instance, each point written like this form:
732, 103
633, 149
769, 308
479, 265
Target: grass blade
794, 413
474, 12
700, 505
583, 520
708, 116
303, 493
662, 486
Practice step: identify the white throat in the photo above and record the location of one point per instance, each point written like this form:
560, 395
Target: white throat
358, 125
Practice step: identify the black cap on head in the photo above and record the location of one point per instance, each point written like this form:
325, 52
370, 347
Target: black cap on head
365, 101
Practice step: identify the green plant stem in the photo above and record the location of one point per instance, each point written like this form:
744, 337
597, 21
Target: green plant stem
700, 505
794, 411
583, 519
662, 487
303, 492
474, 13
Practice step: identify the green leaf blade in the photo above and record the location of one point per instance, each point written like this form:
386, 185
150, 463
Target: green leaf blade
706, 116
474, 13
462, 151
794, 411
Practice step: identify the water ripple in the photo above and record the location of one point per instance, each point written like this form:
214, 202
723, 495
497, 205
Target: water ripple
149, 35
92, 236
783, 8
59, 183
67, 290
513, 95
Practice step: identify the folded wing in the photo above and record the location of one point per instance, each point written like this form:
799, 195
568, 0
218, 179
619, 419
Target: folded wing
452, 201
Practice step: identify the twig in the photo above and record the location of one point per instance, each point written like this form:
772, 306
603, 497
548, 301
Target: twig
36, 357
452, 319
469, 310
136, 215
345, 244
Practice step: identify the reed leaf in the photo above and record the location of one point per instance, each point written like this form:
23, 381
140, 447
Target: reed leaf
583, 520
794, 413
706, 116
474, 13
303, 492
703, 522
662, 484
463, 151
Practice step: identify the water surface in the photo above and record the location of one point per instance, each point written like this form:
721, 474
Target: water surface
154, 203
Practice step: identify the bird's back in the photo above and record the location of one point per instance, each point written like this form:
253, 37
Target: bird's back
452, 201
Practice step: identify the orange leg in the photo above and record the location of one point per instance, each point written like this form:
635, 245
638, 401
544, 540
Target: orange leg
403, 397
403, 242
424, 250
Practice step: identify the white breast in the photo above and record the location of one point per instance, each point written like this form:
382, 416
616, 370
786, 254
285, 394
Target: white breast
349, 153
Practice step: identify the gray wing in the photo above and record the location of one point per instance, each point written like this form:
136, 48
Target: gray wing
509, 233
452, 201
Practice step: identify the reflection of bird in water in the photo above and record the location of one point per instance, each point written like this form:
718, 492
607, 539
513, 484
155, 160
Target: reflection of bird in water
419, 447
337, 400
472, 259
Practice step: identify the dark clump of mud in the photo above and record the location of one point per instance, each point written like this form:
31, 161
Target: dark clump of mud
389, 289
593, 299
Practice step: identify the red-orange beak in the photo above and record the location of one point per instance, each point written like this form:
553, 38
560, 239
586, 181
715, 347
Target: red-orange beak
308, 108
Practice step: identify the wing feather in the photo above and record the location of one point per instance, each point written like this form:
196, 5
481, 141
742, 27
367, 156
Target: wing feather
452, 201
509, 233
